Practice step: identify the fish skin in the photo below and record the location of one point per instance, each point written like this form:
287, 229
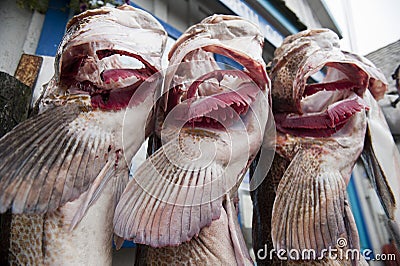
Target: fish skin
320, 160
380, 155
314, 161
300, 56
74, 155
381, 160
196, 151
209, 247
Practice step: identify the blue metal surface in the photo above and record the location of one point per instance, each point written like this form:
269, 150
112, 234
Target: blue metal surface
227, 61
53, 27
127, 244
274, 12
365, 242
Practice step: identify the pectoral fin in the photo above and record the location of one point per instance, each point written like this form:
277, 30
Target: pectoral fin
51, 159
377, 177
108, 174
309, 210
165, 204
381, 159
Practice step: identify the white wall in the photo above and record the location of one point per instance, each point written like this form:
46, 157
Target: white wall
19, 32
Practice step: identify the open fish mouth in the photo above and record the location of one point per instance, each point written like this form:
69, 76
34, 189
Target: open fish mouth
108, 54
116, 80
326, 106
212, 103
319, 109
206, 92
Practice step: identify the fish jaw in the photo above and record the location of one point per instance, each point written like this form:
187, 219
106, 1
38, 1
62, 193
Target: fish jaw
321, 124
220, 104
202, 93
225, 31
229, 102
236, 117
103, 55
301, 107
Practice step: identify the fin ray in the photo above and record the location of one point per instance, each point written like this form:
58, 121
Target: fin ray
47, 159
174, 200
311, 200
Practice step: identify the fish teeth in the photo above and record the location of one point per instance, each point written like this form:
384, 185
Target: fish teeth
221, 104
230, 112
223, 114
214, 105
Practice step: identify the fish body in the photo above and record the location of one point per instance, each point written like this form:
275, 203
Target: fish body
70, 162
321, 126
211, 124
213, 246
381, 160
380, 156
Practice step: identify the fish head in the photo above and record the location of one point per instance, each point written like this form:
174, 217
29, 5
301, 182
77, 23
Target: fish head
316, 87
207, 95
377, 83
106, 54
215, 113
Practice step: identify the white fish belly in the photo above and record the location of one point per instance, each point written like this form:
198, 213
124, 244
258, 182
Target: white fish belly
90, 242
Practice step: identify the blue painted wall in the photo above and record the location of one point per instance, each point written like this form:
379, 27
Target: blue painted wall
365, 242
53, 27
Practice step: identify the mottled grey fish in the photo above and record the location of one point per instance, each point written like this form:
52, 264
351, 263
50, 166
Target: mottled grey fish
211, 124
68, 162
321, 129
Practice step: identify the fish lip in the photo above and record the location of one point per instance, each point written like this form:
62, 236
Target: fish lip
350, 78
348, 69
103, 53
221, 109
324, 123
339, 99
254, 68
